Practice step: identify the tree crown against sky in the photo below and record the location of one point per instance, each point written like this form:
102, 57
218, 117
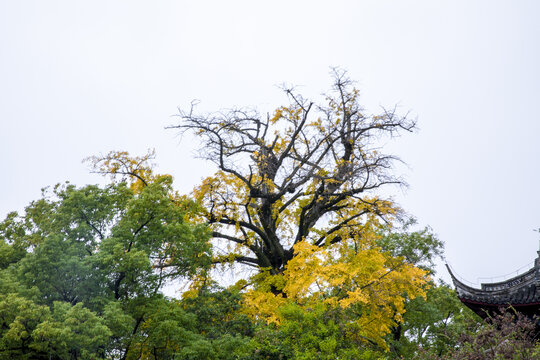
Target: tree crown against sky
297, 197
309, 172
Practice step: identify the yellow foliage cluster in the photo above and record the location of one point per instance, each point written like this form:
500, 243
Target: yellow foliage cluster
136, 170
354, 276
225, 192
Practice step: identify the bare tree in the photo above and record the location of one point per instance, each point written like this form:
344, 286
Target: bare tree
306, 173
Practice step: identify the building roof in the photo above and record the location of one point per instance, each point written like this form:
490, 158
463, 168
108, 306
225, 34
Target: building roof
522, 292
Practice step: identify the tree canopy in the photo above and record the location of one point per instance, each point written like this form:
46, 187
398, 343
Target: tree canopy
82, 257
336, 268
308, 173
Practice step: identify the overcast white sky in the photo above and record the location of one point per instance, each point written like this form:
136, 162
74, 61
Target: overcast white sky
82, 78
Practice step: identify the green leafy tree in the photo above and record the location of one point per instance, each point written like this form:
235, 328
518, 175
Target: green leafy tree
72, 332
93, 243
82, 271
218, 311
19, 318
433, 323
420, 247
315, 333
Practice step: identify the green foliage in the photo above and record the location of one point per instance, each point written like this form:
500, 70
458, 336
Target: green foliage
314, 333
92, 243
419, 247
31, 331
72, 332
59, 269
81, 272
165, 329
12, 245
433, 324
19, 318
218, 312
